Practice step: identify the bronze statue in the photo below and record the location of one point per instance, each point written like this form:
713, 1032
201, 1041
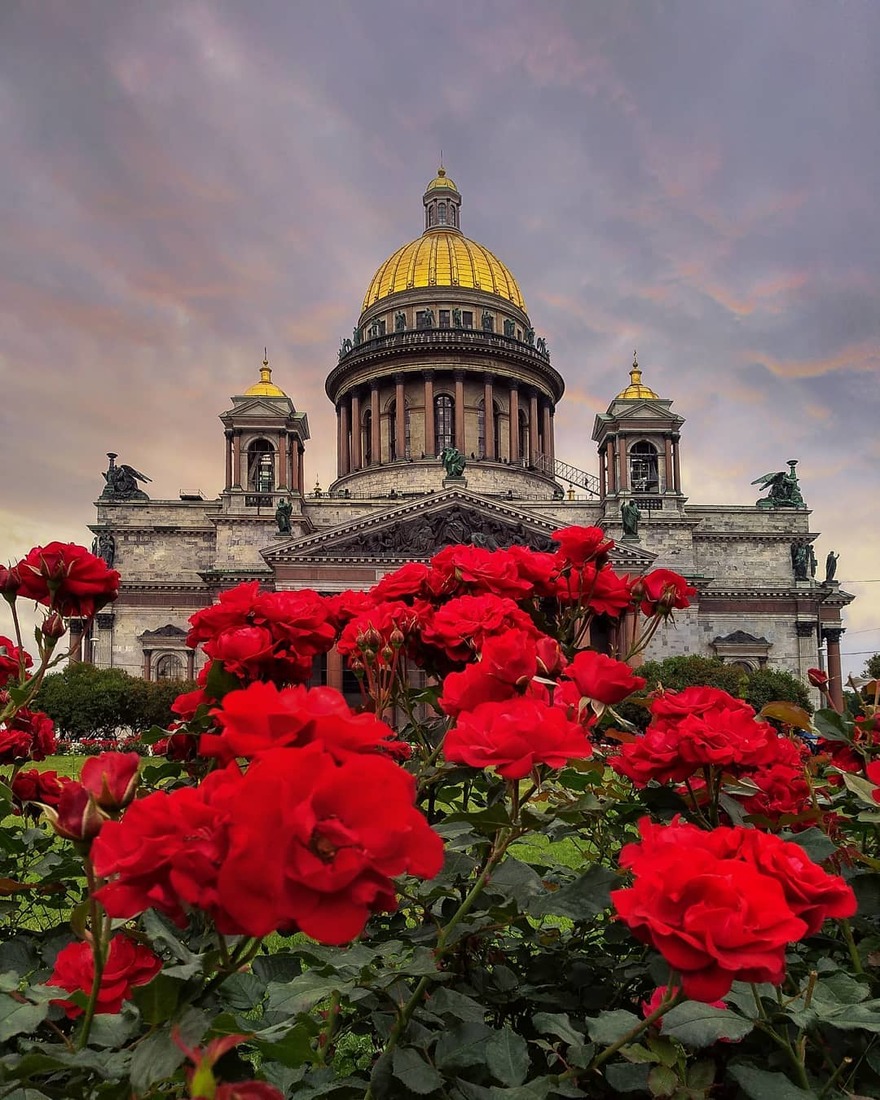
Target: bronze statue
487, 321
453, 461
784, 489
399, 321
121, 482
630, 514
104, 547
800, 561
456, 318
282, 516
509, 327
541, 346
831, 566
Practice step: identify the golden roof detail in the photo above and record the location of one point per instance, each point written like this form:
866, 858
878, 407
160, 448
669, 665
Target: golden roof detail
441, 182
265, 387
635, 390
443, 257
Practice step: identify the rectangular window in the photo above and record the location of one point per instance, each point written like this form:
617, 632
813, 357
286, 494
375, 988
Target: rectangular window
467, 319
421, 318
444, 318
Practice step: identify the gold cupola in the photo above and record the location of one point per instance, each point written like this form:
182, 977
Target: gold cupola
443, 256
636, 391
265, 387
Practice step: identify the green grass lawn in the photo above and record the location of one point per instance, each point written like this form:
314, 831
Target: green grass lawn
63, 765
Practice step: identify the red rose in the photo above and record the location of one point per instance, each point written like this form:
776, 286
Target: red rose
34, 786
461, 569
817, 678
657, 997
128, 964
379, 632
461, 626
579, 545
244, 651
602, 678
10, 582
263, 717
200, 1077
506, 665
27, 735
514, 736
186, 705
315, 843
538, 568
112, 778
406, 582
12, 661
68, 579
872, 771
714, 917
782, 790
663, 592
75, 816
233, 609
298, 619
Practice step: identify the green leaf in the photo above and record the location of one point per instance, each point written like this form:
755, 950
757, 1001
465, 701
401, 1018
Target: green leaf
538, 1089
294, 1049
608, 1027
462, 1047
558, 1024
19, 1017
411, 1069
627, 1078
662, 1081
158, 999
814, 842
789, 713
447, 1002
220, 682
507, 1057
517, 881
761, 1084
304, 992
579, 900
112, 1031
833, 726
155, 1059
700, 1025
861, 788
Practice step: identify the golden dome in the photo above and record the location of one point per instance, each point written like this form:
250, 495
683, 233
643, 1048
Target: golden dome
443, 258
441, 182
265, 387
635, 390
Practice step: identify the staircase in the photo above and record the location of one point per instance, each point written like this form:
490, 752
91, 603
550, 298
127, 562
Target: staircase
571, 474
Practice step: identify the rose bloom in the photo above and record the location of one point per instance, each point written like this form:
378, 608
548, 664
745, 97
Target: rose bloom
514, 736
716, 918
473, 569
539, 569
128, 965
663, 591
601, 590
111, 778
579, 545
10, 656
67, 578
298, 619
27, 735
817, 677
263, 717
505, 666
656, 999
407, 582
461, 626
233, 609
32, 786
602, 678
379, 628
783, 791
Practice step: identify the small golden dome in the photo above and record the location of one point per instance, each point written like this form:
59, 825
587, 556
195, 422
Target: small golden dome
635, 390
443, 258
441, 182
265, 387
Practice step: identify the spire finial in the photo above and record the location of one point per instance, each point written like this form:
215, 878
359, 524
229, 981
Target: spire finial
265, 369
635, 375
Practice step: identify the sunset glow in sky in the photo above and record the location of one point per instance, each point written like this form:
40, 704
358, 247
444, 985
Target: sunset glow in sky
186, 182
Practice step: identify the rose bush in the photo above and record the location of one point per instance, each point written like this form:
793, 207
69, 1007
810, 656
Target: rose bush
481, 882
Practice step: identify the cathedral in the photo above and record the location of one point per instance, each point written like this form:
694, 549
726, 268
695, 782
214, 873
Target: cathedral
445, 403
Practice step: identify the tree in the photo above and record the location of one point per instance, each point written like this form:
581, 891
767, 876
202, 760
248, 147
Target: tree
85, 701
772, 685
872, 667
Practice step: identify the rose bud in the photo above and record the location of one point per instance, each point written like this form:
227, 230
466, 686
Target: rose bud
53, 626
77, 816
818, 678
10, 582
111, 778
397, 638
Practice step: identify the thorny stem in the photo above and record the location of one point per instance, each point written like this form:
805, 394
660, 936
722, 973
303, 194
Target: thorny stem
846, 928
99, 925
670, 999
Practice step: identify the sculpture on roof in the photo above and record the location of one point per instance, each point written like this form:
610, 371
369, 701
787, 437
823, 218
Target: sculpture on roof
104, 547
282, 516
800, 560
121, 482
453, 461
831, 566
630, 514
784, 489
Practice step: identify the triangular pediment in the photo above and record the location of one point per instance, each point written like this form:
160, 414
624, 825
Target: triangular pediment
259, 408
415, 531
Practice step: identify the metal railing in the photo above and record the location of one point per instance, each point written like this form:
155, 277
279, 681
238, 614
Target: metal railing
566, 472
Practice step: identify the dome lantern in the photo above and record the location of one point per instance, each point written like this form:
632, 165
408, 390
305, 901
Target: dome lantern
442, 203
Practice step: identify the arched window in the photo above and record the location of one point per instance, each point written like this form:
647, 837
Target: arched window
430, 215
441, 213
392, 432
643, 471
444, 421
368, 437
523, 437
261, 466
170, 667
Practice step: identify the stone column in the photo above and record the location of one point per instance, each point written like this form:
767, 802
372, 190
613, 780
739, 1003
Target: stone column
399, 417
334, 669
356, 461
430, 445
611, 463
190, 664
283, 468
236, 457
622, 457
300, 474
548, 432
552, 451
228, 434
832, 636
489, 415
343, 461
375, 426
292, 478
667, 456
75, 642
533, 429
676, 463
459, 411
103, 652
603, 475
514, 424
148, 664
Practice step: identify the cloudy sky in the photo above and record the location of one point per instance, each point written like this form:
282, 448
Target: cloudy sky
185, 182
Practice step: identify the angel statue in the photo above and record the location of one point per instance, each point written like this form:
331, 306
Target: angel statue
453, 461
121, 482
784, 489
